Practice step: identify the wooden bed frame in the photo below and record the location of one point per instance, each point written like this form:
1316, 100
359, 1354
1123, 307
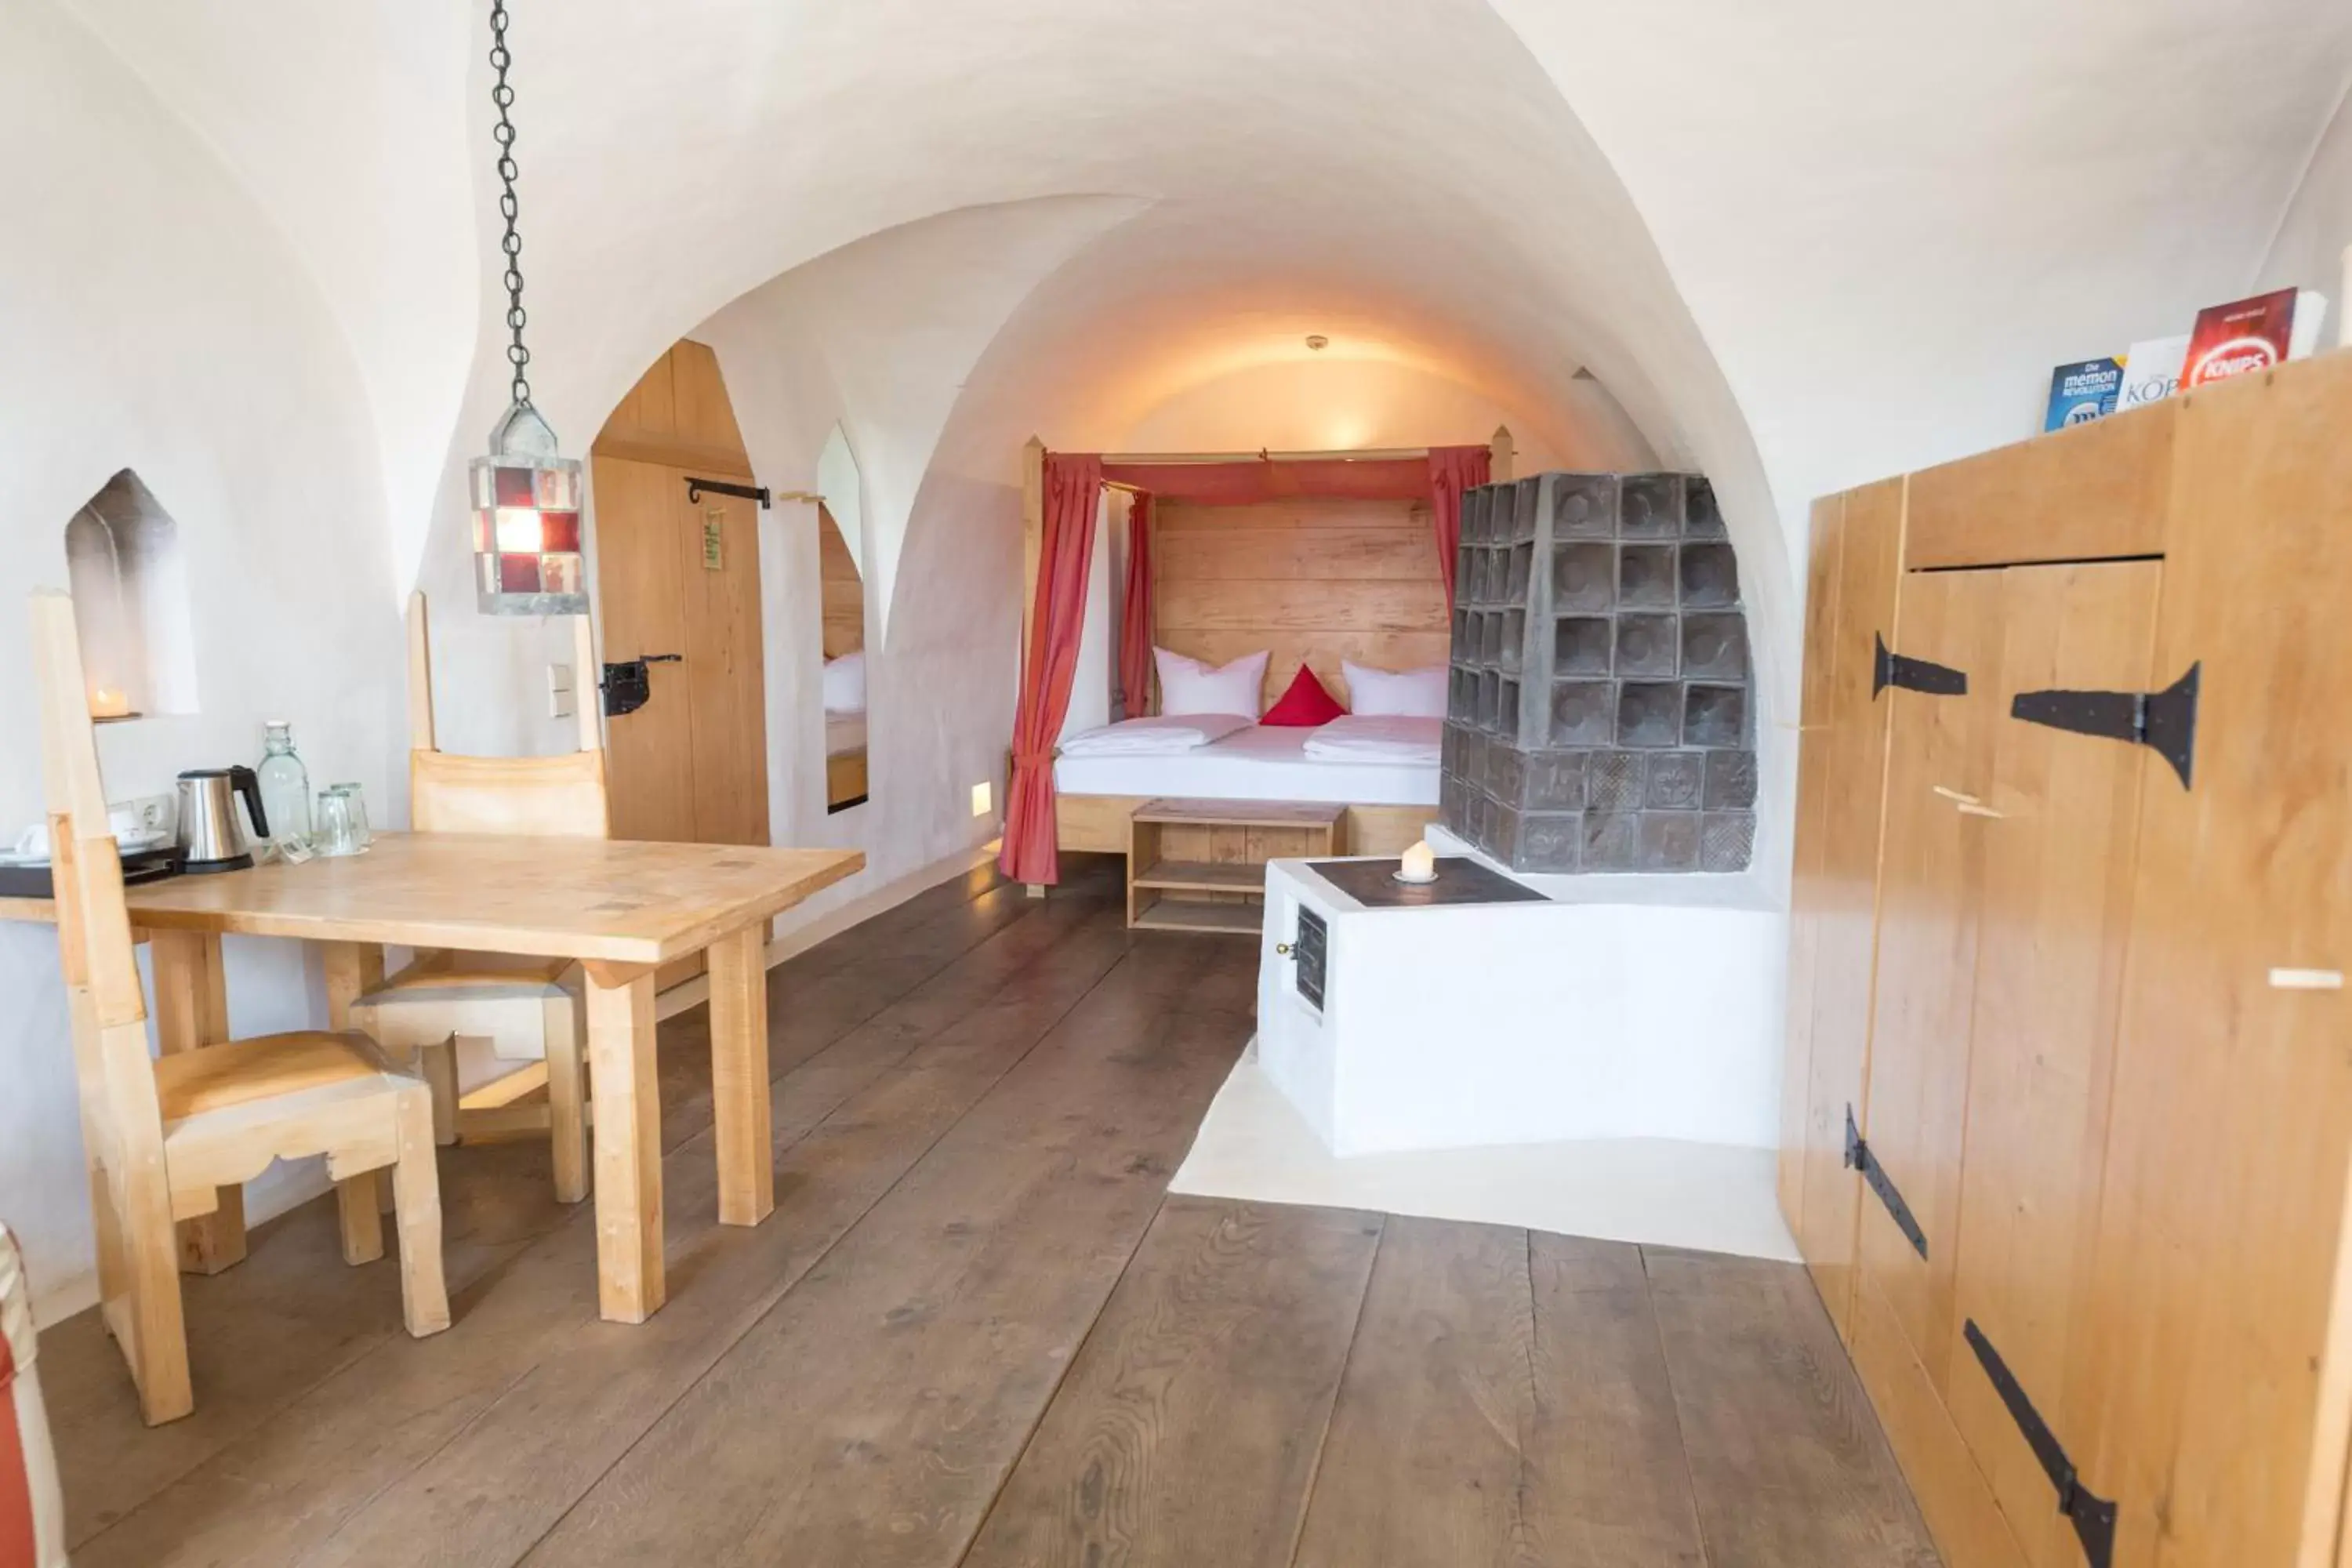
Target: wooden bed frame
1099, 822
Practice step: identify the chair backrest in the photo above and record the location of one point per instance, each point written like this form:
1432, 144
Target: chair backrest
123, 1128
555, 797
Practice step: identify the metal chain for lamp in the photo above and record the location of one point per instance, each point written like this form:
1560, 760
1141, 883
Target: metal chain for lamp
511, 243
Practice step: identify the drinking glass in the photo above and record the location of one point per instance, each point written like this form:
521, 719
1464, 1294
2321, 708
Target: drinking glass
341, 827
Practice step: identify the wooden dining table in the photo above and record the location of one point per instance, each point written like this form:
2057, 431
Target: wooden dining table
621, 908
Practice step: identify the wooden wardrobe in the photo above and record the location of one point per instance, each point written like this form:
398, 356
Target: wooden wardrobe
2068, 1105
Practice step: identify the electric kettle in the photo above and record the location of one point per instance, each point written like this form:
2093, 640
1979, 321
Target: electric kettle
208, 827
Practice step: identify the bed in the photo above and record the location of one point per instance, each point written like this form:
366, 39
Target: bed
845, 759
1391, 792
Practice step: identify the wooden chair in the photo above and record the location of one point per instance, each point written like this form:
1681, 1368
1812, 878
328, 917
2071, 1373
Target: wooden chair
32, 1507
162, 1137
529, 1009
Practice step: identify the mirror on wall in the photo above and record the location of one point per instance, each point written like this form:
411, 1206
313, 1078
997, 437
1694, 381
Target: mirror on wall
842, 587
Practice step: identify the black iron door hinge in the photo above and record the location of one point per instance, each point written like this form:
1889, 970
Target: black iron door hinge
695, 489
2094, 1517
2165, 721
1858, 1157
628, 685
1892, 669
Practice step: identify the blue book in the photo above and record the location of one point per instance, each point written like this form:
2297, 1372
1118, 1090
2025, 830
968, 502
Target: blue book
2083, 392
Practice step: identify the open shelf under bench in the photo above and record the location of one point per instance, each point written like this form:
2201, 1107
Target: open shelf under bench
1200, 865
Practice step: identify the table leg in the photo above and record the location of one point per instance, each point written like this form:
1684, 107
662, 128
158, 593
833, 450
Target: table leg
629, 1284
192, 1012
739, 1074
353, 967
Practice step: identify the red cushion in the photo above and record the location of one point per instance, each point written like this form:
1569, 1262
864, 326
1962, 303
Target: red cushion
1304, 705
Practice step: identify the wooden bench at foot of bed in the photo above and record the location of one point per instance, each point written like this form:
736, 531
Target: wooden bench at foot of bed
1099, 823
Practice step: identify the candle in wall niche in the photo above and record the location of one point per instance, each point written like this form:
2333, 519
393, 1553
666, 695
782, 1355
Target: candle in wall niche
106, 702
1418, 864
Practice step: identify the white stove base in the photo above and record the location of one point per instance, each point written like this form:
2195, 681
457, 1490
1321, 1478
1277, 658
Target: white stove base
1709, 1197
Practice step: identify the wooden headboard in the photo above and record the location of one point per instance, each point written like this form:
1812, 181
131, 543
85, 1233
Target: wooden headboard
1313, 581
844, 590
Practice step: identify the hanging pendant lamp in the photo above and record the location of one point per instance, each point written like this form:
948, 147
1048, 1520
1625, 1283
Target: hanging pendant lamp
526, 498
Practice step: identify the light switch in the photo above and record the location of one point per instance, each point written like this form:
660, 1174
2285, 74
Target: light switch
982, 799
560, 691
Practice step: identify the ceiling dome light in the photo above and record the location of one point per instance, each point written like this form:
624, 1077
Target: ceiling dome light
1317, 342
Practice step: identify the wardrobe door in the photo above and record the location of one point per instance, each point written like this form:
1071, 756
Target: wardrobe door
1805, 886
2220, 1319
2052, 927
1939, 780
1845, 907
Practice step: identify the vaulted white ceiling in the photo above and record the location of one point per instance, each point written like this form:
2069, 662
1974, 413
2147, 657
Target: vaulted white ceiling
1800, 243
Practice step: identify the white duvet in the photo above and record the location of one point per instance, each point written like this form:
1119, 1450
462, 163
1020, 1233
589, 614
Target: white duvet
1170, 734
1375, 738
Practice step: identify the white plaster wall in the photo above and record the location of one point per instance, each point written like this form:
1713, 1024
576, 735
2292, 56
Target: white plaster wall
1339, 400
358, 129
153, 318
1889, 222
877, 340
2309, 251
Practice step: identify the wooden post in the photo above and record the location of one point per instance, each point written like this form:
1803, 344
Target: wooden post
192, 1012
627, 1130
738, 1070
352, 968
1032, 539
1501, 453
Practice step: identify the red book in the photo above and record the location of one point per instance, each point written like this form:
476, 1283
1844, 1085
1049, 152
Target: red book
2251, 334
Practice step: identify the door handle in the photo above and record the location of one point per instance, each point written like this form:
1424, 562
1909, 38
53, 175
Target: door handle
628, 685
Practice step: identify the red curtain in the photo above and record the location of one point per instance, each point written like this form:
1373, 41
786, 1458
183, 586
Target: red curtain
1257, 480
1073, 494
1451, 470
1135, 622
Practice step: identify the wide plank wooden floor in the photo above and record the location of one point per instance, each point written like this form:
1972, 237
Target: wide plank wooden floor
978, 1331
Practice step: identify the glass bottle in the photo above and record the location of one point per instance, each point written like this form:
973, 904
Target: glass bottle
285, 784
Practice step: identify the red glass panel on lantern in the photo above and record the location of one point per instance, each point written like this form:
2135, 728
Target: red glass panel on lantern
558, 573
518, 574
514, 487
559, 531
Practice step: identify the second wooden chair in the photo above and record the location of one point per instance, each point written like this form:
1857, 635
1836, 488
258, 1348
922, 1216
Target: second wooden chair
529, 1010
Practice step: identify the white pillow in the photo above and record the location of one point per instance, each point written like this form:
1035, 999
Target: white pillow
1188, 686
845, 684
1408, 694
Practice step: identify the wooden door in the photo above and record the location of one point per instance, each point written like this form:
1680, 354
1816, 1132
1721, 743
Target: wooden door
1938, 782
2051, 936
2218, 1314
681, 577
1842, 903
649, 753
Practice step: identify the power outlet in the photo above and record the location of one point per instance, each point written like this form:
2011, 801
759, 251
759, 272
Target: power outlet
562, 695
154, 811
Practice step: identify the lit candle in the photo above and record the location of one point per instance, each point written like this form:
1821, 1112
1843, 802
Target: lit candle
108, 704
1419, 863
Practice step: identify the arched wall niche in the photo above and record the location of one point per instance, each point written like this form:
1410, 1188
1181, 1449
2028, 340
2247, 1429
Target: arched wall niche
129, 585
